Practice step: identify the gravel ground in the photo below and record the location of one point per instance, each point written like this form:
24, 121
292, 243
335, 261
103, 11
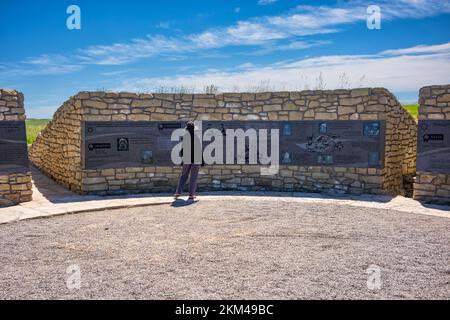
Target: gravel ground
228, 249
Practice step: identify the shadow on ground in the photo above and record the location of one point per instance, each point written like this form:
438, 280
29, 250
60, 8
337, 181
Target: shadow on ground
183, 203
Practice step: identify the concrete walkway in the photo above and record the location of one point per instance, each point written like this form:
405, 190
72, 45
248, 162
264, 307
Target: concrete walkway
50, 199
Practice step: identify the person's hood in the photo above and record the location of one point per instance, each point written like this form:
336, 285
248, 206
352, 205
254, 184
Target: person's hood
195, 128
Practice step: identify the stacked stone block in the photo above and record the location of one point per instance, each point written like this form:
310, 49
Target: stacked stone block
58, 150
14, 187
434, 105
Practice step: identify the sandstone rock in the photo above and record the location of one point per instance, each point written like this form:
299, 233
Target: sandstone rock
444, 98
205, 102
139, 117
326, 116
350, 101
346, 110
146, 103
95, 104
360, 92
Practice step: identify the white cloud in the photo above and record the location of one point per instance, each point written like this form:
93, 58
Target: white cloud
247, 65
266, 2
420, 49
265, 31
115, 73
123, 53
399, 73
294, 45
164, 25
41, 65
302, 21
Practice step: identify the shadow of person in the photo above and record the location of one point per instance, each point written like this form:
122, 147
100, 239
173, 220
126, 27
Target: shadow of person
182, 203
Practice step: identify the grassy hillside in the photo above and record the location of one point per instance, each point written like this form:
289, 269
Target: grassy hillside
34, 126
413, 109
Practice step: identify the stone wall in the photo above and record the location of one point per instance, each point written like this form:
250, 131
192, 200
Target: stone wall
15, 187
434, 105
57, 151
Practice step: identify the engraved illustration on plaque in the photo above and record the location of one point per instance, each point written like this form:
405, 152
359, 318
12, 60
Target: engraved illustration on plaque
374, 158
323, 128
372, 129
123, 144
287, 129
325, 159
287, 157
147, 156
324, 143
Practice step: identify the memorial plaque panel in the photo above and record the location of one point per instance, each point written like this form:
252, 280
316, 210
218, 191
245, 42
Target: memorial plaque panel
433, 146
305, 143
127, 144
319, 143
13, 147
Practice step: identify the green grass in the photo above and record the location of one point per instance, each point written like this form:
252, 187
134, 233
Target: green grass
413, 109
34, 126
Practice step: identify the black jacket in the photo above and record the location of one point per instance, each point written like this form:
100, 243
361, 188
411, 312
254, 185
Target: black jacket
194, 144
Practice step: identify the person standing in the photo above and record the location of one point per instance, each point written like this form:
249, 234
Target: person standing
192, 153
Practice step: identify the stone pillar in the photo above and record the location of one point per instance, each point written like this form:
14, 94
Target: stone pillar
432, 182
15, 176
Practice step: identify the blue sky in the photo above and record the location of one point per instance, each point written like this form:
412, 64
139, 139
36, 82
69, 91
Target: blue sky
150, 46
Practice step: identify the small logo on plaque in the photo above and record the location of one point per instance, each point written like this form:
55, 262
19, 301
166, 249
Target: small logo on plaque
433, 137
123, 144
323, 128
93, 146
172, 126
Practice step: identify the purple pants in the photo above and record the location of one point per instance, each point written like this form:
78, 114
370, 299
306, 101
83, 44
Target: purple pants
188, 168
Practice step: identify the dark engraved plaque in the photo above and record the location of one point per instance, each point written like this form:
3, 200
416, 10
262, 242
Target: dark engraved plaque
13, 147
306, 143
128, 144
433, 146
345, 143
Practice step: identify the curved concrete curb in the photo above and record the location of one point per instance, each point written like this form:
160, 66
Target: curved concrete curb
92, 204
